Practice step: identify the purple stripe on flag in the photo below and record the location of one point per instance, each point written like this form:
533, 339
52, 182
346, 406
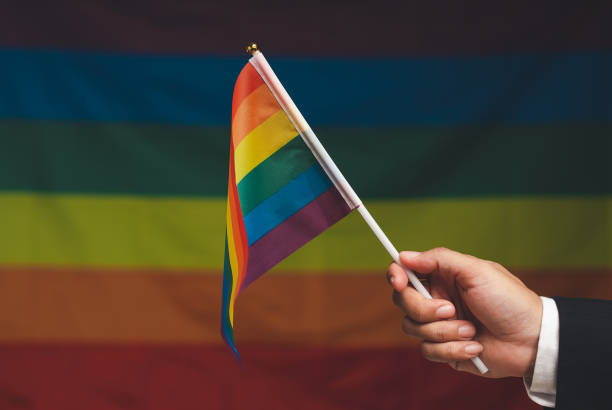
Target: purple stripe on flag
321, 213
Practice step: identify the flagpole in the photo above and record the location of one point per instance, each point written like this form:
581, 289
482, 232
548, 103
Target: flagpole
259, 62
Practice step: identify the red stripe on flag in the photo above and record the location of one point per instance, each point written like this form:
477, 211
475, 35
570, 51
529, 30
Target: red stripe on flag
248, 81
238, 228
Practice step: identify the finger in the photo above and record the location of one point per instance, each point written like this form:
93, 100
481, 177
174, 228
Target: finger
440, 331
467, 366
465, 268
396, 277
450, 351
421, 309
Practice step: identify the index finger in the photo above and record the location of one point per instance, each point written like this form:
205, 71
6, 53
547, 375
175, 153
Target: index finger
420, 309
397, 277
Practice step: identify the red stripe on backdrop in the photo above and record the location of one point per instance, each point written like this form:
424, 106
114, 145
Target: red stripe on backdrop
206, 377
387, 27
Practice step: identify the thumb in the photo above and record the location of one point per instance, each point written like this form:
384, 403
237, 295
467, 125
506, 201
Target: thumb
465, 269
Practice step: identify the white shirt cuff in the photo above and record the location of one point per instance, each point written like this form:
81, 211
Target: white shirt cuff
542, 388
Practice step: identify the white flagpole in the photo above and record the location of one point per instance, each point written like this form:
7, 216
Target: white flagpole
259, 62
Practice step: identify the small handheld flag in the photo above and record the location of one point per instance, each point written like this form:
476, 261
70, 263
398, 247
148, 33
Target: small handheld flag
279, 197
283, 189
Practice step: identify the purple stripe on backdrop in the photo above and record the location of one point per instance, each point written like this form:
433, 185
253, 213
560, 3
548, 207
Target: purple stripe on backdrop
383, 28
324, 211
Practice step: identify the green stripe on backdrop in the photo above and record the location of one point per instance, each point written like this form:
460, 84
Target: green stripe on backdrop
188, 233
409, 162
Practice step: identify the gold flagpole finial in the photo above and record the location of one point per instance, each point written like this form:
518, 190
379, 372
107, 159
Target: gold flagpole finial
252, 48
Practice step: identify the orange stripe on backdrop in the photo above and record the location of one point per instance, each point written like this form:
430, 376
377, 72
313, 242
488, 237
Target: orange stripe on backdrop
254, 109
89, 305
247, 82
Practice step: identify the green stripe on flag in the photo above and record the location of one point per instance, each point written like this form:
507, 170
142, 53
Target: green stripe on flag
274, 173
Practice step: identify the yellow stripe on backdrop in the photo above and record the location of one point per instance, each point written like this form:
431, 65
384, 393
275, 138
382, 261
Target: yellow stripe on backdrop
41, 229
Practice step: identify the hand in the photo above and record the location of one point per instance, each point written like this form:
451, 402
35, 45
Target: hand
478, 307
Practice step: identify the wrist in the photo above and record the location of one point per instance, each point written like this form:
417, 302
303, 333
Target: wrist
528, 376
533, 338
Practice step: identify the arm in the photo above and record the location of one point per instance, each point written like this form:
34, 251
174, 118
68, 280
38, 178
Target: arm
585, 354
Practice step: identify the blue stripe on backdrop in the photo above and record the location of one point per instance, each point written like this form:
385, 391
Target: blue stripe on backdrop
61, 85
285, 202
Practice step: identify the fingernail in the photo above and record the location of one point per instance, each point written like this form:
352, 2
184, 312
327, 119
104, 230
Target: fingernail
466, 331
473, 349
392, 279
444, 311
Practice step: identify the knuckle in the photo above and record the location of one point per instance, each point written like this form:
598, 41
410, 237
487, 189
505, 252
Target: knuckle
438, 333
439, 250
452, 350
419, 315
407, 327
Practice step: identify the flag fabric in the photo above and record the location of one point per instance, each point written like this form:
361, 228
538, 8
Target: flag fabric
278, 197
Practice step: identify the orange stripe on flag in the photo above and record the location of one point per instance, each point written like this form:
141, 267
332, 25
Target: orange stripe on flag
254, 109
236, 235
239, 230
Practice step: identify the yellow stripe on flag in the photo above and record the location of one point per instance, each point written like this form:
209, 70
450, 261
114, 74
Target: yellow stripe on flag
233, 258
262, 142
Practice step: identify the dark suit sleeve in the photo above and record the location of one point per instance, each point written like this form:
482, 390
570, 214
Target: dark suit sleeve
584, 372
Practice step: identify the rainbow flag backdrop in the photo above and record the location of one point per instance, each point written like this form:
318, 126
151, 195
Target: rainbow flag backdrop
481, 126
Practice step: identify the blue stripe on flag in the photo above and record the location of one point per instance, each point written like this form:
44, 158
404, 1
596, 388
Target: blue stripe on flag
285, 202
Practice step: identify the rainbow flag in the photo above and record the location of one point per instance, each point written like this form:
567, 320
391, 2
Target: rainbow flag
278, 197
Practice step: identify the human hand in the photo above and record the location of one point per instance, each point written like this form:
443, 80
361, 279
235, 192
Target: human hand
478, 308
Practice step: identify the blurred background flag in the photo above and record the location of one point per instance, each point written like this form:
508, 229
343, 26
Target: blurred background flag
480, 126
279, 197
